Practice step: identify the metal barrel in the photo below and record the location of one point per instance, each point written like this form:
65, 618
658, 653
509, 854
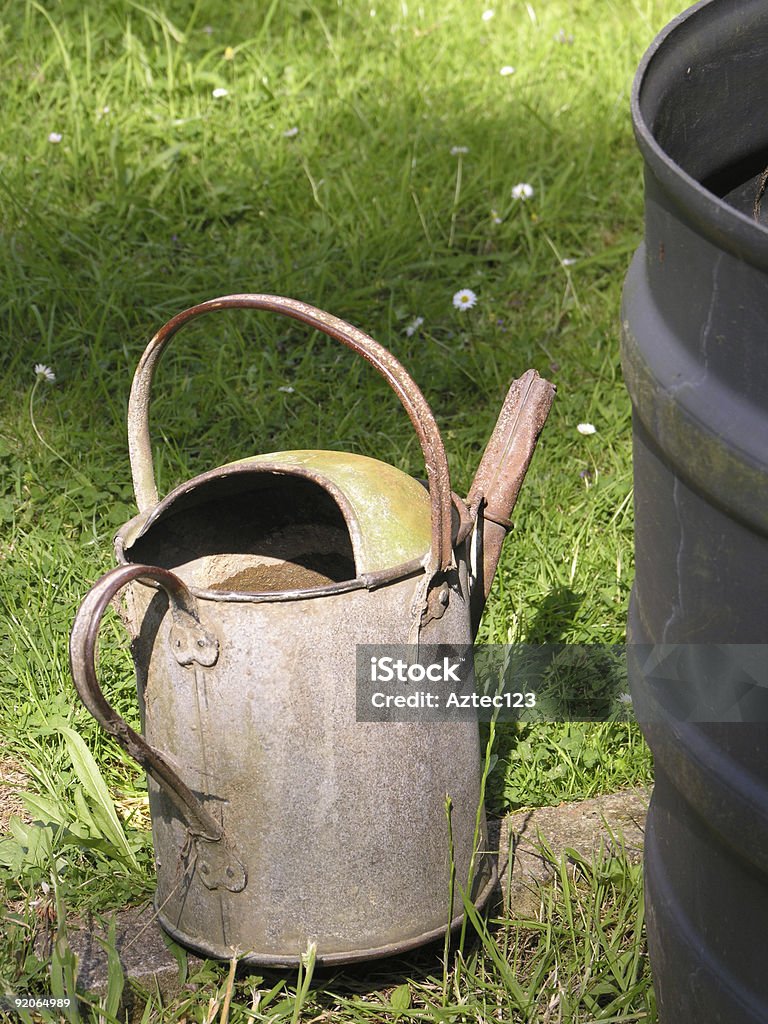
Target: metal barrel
695, 360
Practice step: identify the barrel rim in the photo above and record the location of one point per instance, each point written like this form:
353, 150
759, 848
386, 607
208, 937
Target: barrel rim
716, 220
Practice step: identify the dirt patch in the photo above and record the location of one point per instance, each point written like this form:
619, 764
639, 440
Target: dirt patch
314, 570
13, 780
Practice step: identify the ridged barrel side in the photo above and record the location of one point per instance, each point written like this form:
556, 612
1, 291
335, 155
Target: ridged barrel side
695, 360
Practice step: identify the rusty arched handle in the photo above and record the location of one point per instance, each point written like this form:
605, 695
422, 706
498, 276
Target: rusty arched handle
414, 403
190, 643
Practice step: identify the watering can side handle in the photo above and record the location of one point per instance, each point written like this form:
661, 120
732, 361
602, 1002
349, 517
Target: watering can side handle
82, 650
411, 398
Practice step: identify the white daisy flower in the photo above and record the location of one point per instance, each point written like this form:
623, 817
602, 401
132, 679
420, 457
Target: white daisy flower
464, 299
522, 191
414, 325
457, 150
43, 372
55, 137
625, 698
487, 15
507, 70
586, 428
220, 93
567, 262
287, 389
290, 133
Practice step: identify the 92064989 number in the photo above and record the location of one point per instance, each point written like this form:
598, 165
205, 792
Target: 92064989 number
41, 1002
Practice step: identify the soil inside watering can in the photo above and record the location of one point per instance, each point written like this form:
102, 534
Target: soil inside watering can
316, 570
251, 533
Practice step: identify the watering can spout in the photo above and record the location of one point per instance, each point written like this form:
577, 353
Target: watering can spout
500, 475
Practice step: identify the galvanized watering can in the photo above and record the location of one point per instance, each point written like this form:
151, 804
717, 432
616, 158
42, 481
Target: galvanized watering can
279, 819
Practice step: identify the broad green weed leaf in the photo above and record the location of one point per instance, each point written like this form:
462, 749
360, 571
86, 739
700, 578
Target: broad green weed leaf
42, 808
36, 842
401, 998
179, 954
11, 855
90, 778
115, 974
86, 820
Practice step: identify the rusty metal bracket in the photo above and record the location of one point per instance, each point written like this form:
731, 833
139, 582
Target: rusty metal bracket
195, 645
219, 866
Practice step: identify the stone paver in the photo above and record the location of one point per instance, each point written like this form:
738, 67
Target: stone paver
585, 826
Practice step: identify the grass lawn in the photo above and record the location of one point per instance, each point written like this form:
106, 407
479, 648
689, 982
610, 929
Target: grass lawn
363, 157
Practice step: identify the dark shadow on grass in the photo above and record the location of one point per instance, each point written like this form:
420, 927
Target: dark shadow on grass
555, 615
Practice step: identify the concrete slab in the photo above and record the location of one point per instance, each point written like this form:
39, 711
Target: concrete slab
144, 955
585, 827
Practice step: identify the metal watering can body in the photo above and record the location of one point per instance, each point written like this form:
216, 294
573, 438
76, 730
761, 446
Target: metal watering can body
279, 819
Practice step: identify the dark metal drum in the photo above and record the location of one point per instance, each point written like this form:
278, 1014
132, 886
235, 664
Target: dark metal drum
695, 359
